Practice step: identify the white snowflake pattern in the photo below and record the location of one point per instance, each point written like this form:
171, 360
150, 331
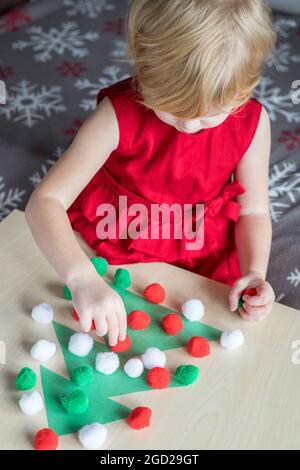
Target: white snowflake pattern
89, 8
294, 277
57, 41
275, 102
280, 297
120, 49
10, 199
112, 75
284, 183
282, 57
283, 26
38, 175
28, 104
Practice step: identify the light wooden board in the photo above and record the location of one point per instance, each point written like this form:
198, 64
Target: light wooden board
245, 399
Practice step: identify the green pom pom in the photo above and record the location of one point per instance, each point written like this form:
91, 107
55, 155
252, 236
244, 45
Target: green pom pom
122, 278
187, 374
75, 403
100, 264
26, 379
83, 376
241, 302
67, 293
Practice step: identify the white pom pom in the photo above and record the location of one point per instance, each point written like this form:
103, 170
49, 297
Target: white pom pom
80, 344
232, 339
92, 436
43, 350
31, 403
107, 362
134, 367
193, 310
154, 357
42, 313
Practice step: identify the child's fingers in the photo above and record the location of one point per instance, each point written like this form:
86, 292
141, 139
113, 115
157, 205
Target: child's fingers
251, 318
257, 312
85, 321
261, 298
254, 311
235, 293
113, 329
101, 325
256, 300
122, 318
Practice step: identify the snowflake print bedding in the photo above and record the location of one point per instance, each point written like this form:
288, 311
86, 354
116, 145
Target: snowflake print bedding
55, 55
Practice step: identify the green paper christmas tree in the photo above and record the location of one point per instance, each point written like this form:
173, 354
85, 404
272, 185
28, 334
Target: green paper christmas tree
102, 408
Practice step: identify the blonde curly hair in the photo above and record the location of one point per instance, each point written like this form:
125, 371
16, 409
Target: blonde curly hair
190, 56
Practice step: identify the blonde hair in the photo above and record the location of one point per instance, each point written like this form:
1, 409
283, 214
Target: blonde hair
192, 55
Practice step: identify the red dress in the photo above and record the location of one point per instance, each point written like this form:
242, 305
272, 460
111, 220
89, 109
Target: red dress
156, 163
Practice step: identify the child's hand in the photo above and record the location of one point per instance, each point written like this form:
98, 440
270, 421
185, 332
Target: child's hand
255, 308
94, 300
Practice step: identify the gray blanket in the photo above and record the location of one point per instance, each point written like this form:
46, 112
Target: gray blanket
56, 54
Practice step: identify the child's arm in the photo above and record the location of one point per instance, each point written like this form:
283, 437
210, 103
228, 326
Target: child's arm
253, 232
52, 231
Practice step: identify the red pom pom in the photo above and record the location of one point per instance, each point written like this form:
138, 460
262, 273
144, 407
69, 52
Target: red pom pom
138, 320
172, 324
122, 346
46, 439
76, 318
139, 418
198, 347
250, 291
155, 293
158, 377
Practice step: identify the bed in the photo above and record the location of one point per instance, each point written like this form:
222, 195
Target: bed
54, 57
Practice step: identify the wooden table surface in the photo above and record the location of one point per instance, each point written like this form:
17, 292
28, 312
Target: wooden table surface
245, 399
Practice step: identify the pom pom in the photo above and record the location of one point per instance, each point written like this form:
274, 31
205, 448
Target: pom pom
42, 313
76, 318
82, 376
159, 377
122, 346
172, 324
122, 278
75, 403
193, 310
67, 293
31, 403
138, 320
198, 347
80, 344
155, 293
134, 368
232, 339
153, 357
249, 291
43, 350
139, 418
46, 439
100, 265
187, 374
92, 436
107, 363
26, 379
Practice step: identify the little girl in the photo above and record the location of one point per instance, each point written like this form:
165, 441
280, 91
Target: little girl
183, 130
